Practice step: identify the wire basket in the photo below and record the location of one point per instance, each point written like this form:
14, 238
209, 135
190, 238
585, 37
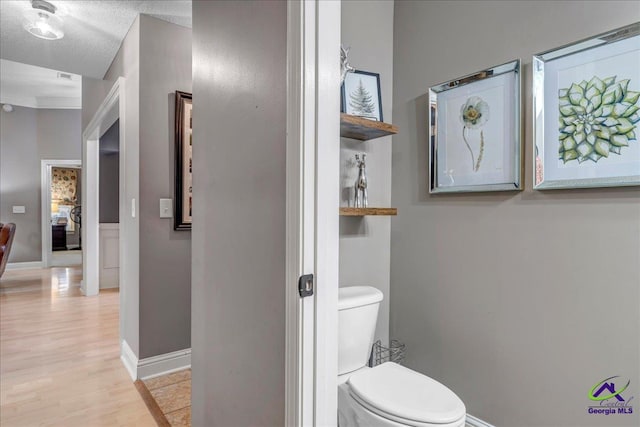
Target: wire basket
394, 353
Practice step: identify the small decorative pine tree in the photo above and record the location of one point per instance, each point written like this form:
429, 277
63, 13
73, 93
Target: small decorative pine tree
361, 101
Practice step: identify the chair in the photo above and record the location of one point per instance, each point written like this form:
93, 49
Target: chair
6, 240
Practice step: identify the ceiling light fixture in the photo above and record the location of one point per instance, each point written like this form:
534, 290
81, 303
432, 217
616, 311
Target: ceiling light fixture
42, 22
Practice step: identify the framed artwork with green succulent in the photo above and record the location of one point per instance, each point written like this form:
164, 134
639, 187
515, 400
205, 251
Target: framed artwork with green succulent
475, 133
586, 102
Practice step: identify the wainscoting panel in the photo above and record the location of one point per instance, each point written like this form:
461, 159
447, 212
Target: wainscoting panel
109, 255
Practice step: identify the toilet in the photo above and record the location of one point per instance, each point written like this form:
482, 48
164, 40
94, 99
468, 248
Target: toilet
388, 394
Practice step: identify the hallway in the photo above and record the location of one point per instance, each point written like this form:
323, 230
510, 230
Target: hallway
59, 354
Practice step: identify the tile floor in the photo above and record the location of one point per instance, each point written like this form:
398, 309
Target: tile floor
172, 393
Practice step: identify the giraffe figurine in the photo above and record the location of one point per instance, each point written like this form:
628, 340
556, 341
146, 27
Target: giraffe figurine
361, 197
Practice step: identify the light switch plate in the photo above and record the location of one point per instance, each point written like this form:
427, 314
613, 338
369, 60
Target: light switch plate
166, 208
133, 208
19, 209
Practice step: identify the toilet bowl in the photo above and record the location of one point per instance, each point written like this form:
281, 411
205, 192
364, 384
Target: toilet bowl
389, 394
392, 395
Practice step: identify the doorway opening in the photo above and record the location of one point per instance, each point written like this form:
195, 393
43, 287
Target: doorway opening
61, 212
104, 137
109, 206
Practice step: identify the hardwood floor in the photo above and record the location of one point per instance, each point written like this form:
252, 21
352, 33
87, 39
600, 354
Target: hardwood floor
59, 355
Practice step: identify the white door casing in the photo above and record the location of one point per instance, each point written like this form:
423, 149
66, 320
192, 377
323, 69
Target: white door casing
111, 108
327, 207
313, 39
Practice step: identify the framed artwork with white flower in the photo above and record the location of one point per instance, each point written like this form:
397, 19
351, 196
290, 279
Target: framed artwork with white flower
586, 102
475, 132
361, 95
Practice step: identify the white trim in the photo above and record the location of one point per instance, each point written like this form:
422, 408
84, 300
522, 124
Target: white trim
110, 107
104, 111
327, 181
19, 101
109, 226
307, 211
129, 359
163, 364
59, 103
54, 103
29, 265
109, 260
128, 191
313, 159
45, 203
155, 366
108, 120
66, 260
294, 413
477, 422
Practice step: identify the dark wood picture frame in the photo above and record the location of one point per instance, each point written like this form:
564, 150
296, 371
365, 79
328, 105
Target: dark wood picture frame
183, 144
377, 98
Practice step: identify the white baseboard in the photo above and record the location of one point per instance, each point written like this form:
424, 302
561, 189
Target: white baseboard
66, 260
109, 226
24, 265
129, 359
164, 364
155, 366
477, 422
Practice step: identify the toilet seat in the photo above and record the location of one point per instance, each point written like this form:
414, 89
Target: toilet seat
407, 397
390, 420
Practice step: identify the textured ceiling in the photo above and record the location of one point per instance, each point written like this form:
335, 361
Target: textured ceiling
37, 87
93, 32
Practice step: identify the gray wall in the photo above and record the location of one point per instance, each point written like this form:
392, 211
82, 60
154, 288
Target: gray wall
93, 93
238, 319
109, 174
126, 64
27, 136
365, 241
165, 254
501, 296
155, 59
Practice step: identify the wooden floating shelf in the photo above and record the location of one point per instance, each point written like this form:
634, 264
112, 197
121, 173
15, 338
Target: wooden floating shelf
363, 129
368, 211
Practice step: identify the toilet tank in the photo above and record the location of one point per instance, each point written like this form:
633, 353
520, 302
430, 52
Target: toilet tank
357, 316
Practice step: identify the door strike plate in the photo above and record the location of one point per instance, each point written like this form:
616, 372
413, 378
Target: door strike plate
305, 285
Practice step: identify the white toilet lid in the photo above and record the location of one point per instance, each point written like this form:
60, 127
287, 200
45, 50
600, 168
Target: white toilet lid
406, 394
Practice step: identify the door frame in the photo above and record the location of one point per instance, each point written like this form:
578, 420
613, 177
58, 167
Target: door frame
110, 110
45, 202
313, 159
